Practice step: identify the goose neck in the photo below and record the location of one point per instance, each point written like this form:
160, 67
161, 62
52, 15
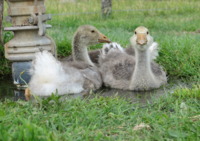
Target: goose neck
80, 53
142, 60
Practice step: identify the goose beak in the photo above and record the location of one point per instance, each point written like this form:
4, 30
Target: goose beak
103, 39
141, 39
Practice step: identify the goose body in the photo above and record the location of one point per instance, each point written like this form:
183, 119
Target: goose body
136, 72
52, 76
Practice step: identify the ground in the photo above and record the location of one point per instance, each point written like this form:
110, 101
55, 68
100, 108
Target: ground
175, 116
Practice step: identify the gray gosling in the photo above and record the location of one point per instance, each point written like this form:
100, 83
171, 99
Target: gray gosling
136, 72
50, 75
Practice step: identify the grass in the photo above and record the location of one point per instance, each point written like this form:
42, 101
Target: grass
174, 26
171, 117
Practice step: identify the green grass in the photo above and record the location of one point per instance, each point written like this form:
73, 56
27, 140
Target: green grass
170, 117
186, 92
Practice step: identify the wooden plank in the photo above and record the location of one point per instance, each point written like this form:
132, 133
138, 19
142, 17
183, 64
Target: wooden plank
106, 8
25, 11
27, 49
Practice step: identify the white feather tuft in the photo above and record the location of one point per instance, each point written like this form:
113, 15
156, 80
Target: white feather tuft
49, 76
109, 47
153, 49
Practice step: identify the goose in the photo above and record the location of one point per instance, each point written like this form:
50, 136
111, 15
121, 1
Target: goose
139, 72
50, 75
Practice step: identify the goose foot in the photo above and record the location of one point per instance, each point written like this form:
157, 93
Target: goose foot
27, 94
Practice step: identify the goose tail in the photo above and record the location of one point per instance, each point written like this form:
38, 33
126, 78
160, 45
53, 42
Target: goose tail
49, 76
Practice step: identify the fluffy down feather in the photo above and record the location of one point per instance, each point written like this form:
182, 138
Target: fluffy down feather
49, 76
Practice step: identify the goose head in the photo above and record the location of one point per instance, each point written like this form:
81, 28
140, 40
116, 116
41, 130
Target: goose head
141, 38
88, 35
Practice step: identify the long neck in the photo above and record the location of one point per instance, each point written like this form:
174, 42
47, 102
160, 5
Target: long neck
142, 67
142, 61
80, 52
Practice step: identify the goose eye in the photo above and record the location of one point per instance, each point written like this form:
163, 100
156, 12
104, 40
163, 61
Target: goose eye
147, 32
135, 32
92, 31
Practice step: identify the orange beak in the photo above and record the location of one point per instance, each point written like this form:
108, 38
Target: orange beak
103, 39
141, 39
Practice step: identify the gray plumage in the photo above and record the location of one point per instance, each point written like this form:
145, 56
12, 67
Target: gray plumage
80, 75
93, 54
133, 72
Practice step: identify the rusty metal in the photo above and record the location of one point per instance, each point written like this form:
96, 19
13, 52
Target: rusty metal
21, 10
41, 25
26, 42
28, 24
